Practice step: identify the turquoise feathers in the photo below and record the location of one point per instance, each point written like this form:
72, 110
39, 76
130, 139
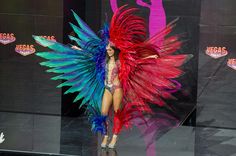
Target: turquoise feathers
83, 70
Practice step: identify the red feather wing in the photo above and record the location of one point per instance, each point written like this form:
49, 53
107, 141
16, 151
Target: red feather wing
148, 67
127, 29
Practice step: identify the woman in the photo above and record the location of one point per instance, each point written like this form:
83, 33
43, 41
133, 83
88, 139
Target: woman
113, 91
137, 72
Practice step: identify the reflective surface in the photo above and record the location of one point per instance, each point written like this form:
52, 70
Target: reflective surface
53, 135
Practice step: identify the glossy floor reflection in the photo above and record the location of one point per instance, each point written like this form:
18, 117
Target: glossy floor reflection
30, 134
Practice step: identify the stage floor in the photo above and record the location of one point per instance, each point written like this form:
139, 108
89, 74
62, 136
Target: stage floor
32, 134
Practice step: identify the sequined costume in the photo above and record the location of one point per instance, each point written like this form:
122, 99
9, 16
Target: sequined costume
112, 81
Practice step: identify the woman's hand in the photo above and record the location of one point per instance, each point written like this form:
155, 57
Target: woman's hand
151, 56
75, 47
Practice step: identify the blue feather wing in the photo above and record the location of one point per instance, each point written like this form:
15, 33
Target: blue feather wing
83, 70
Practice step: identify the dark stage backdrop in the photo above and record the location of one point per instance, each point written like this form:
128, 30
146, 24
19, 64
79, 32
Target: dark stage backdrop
24, 86
90, 12
217, 64
158, 13
216, 80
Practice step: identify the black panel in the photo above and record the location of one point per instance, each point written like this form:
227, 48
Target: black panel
33, 7
216, 81
90, 12
218, 12
182, 7
68, 107
24, 86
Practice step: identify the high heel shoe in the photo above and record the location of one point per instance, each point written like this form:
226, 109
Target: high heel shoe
104, 143
113, 145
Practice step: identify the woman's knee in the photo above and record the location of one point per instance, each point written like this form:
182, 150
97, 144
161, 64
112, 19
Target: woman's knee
104, 112
116, 109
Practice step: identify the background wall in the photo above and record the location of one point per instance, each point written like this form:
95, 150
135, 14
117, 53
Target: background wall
90, 12
216, 80
216, 87
30, 105
24, 86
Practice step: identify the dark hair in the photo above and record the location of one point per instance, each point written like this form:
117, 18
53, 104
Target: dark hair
116, 54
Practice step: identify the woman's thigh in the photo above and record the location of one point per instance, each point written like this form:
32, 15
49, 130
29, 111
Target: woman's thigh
106, 102
117, 99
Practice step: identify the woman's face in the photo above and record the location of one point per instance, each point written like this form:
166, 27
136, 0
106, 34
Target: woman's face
110, 51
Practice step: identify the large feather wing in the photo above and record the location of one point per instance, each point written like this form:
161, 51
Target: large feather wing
148, 67
126, 29
83, 69
148, 72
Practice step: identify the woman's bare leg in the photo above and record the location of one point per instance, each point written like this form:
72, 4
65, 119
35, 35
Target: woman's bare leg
106, 103
117, 99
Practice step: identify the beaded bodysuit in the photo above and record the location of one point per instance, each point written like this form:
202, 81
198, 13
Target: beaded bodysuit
112, 81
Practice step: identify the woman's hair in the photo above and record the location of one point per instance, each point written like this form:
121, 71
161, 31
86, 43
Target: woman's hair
116, 54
